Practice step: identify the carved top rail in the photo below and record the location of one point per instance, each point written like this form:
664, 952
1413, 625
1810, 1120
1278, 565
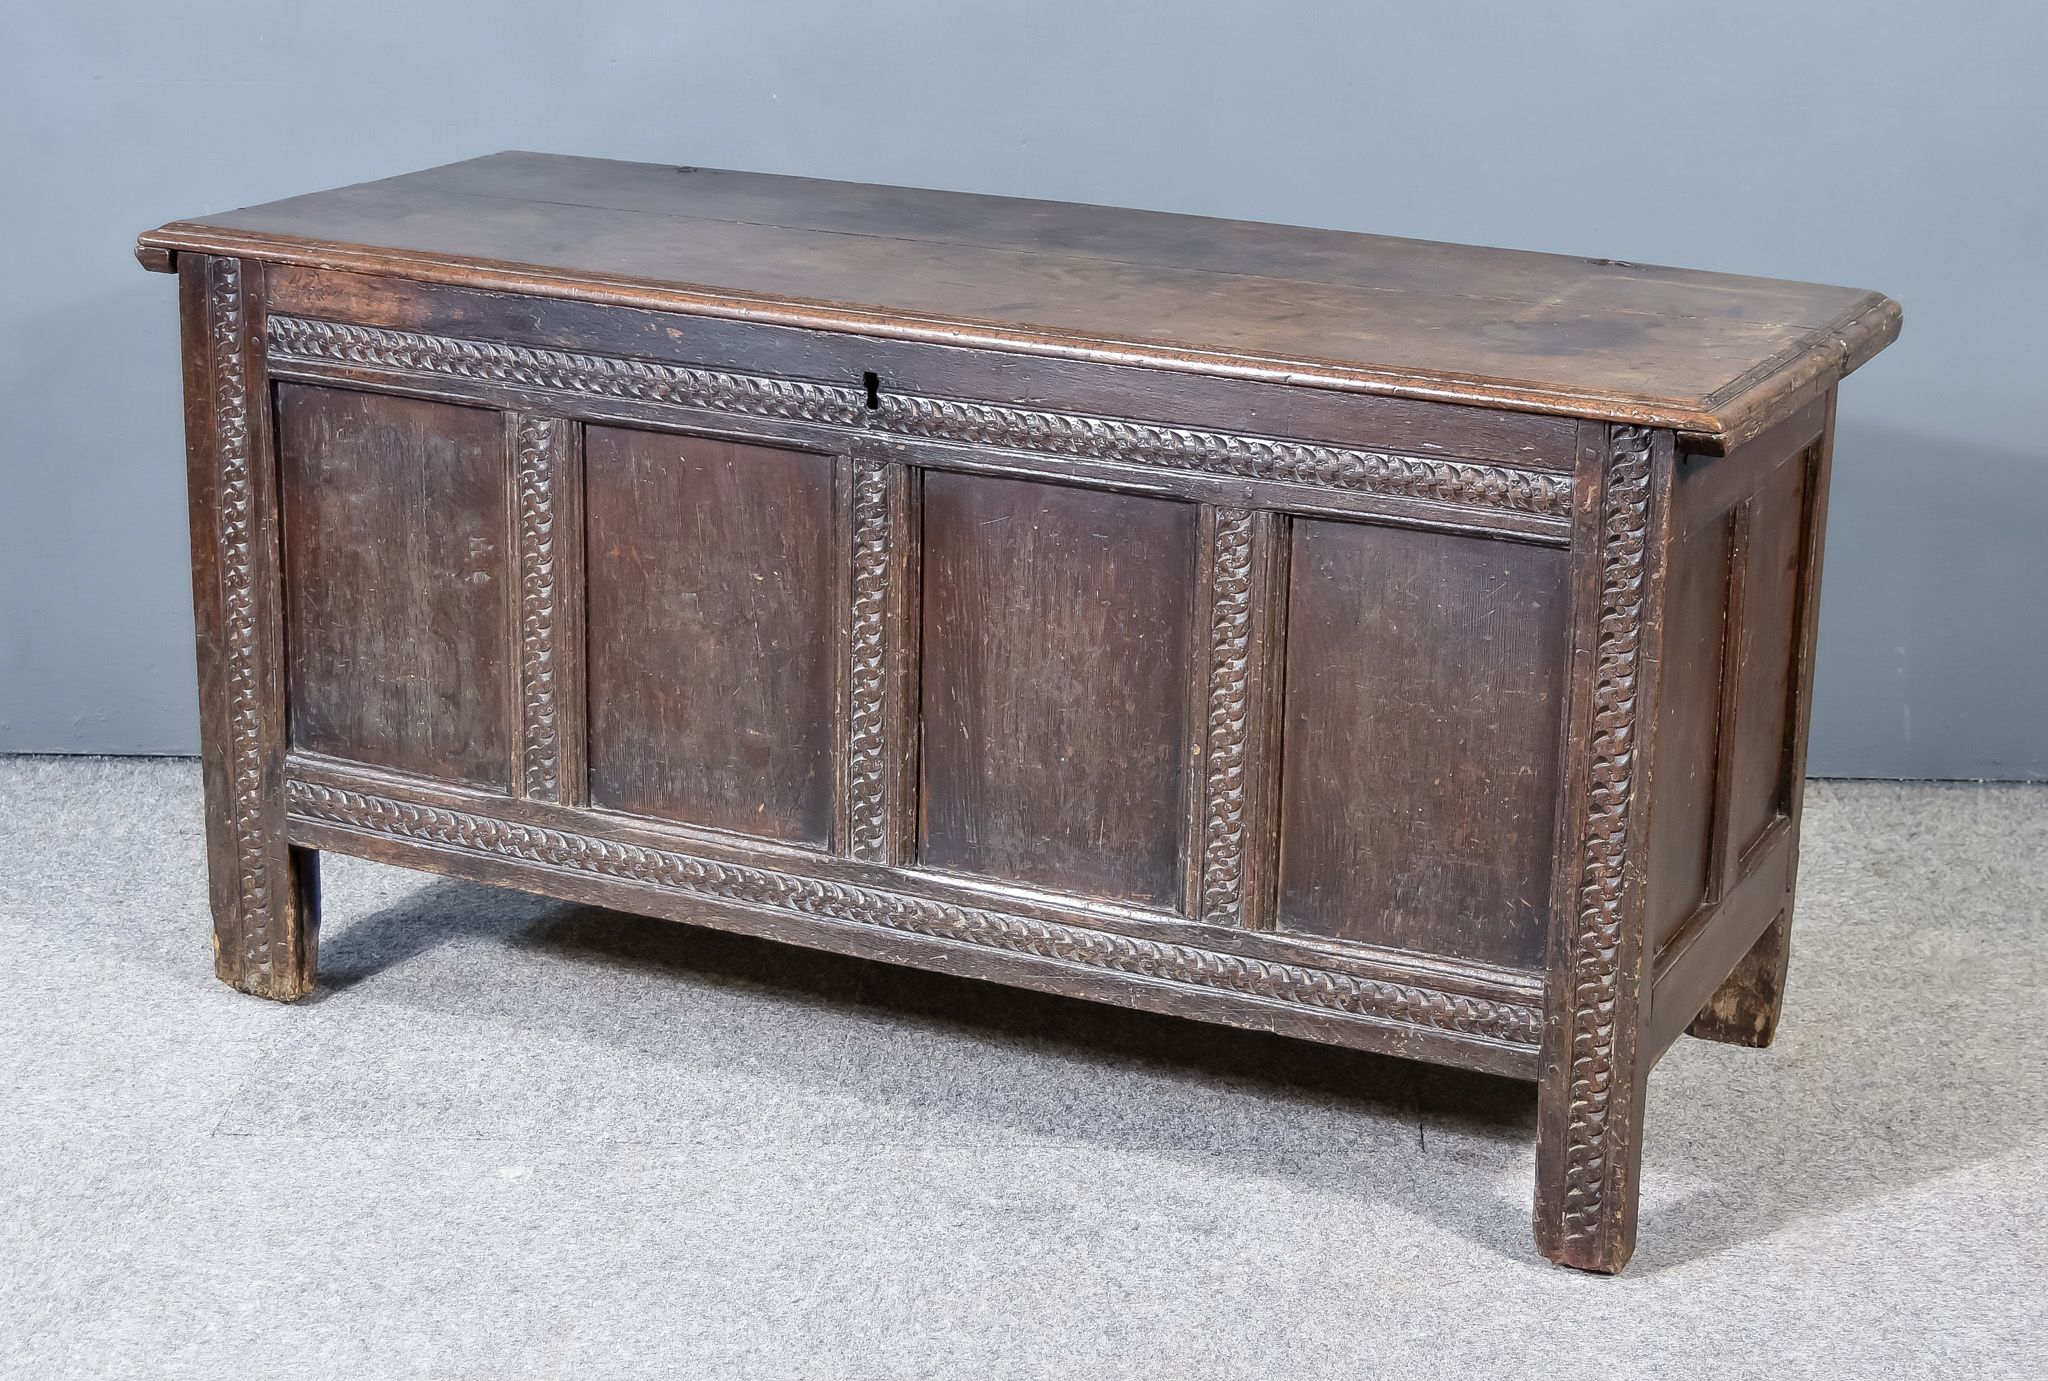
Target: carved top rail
1479, 489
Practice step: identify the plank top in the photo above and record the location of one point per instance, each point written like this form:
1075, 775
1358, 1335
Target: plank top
1716, 356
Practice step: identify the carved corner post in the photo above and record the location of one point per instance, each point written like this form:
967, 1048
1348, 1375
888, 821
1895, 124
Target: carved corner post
1589, 1115
265, 894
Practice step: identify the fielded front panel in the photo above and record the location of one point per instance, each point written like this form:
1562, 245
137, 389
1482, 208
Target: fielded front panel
1180, 684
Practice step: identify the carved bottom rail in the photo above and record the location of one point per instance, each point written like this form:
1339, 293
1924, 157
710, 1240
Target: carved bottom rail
1505, 1033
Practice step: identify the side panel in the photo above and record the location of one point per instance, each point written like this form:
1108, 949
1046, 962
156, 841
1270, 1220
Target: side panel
1725, 745
1688, 730
714, 615
1420, 761
1722, 939
1760, 785
1056, 669
397, 582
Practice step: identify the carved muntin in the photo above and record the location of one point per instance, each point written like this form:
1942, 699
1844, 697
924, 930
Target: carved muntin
1246, 626
547, 483
881, 683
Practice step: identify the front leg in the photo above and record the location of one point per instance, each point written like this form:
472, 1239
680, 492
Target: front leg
1590, 1104
264, 893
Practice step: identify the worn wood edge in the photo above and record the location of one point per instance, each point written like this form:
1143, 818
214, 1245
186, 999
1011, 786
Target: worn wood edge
264, 937
1575, 732
287, 956
1707, 497
1754, 402
558, 840
209, 607
1689, 417
1690, 969
1744, 1010
239, 538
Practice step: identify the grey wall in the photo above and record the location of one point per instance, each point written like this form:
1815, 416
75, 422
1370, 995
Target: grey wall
1876, 143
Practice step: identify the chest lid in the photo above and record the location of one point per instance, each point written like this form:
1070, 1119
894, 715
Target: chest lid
1716, 356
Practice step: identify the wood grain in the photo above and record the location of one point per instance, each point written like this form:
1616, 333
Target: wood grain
1761, 749
264, 894
713, 609
399, 582
1586, 337
1409, 426
547, 481
1682, 838
1744, 1010
1057, 632
1419, 785
1594, 1070
1437, 491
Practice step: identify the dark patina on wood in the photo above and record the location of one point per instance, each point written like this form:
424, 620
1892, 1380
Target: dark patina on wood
1390, 644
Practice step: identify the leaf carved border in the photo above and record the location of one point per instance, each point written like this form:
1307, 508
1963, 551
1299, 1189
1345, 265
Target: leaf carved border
540, 444
1496, 488
1509, 1024
1597, 940
1223, 820
237, 527
867, 749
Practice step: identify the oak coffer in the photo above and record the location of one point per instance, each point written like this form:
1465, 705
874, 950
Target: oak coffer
1385, 643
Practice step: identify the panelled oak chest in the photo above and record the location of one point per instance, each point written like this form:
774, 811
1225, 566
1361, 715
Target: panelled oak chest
1386, 643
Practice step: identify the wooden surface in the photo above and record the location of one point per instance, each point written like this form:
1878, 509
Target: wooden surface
1425, 676
1057, 625
713, 612
1716, 356
264, 890
397, 582
1396, 645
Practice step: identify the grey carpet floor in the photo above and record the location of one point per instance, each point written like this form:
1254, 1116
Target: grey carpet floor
509, 1137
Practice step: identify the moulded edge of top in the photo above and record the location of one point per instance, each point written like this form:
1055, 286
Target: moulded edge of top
1737, 411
